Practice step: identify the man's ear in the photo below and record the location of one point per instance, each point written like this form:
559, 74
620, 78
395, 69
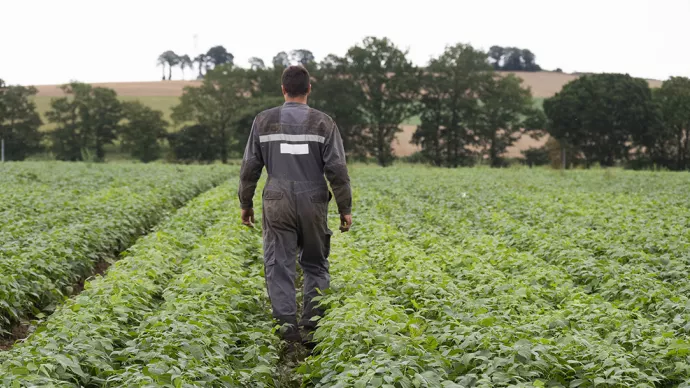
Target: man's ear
282, 88
309, 90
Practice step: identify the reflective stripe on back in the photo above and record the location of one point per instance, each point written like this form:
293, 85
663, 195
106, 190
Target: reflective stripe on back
284, 137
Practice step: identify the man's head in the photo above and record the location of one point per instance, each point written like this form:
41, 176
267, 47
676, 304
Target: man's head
296, 85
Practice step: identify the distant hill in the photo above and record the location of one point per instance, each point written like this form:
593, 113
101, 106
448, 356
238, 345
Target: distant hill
164, 94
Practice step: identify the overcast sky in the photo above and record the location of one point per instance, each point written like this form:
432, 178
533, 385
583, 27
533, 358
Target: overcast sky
51, 41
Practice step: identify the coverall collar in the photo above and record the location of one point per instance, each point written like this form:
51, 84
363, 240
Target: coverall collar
291, 103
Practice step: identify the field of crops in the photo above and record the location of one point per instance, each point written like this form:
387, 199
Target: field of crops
449, 278
59, 220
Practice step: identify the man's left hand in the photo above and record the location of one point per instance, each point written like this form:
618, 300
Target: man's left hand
248, 217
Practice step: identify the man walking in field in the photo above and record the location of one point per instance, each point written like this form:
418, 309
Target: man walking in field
297, 144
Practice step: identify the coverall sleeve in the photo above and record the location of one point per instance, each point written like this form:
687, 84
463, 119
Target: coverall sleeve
336, 171
252, 164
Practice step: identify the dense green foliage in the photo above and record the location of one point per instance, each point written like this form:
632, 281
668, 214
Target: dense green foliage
59, 219
19, 121
143, 131
670, 145
601, 115
614, 118
391, 85
186, 304
88, 118
480, 278
450, 278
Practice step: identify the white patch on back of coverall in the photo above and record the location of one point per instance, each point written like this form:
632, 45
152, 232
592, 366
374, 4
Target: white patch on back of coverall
294, 149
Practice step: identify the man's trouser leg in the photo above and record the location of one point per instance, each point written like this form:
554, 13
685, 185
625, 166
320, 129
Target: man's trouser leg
315, 245
280, 229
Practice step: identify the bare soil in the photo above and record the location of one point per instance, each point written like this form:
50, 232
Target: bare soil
99, 269
18, 332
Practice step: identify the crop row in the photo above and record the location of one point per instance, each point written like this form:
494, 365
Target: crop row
32, 190
31, 187
39, 268
213, 327
185, 304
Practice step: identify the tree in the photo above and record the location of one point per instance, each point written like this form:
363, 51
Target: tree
673, 138
506, 112
218, 56
452, 84
194, 143
244, 118
266, 82
256, 63
202, 62
600, 114
496, 53
281, 61
19, 121
185, 63
86, 121
143, 131
536, 156
303, 57
171, 59
335, 93
69, 138
215, 104
528, 59
162, 62
512, 60
390, 83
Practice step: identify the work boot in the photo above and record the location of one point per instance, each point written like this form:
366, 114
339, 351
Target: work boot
307, 334
289, 333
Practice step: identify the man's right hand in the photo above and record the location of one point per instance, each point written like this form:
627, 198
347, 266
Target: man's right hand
345, 222
248, 217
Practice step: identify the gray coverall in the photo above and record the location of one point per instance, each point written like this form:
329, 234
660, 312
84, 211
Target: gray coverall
297, 144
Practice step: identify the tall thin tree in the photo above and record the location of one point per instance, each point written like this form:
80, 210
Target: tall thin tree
162, 62
185, 63
201, 60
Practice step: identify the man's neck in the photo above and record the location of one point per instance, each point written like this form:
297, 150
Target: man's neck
297, 100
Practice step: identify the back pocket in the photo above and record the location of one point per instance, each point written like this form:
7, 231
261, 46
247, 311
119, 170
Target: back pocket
320, 201
274, 206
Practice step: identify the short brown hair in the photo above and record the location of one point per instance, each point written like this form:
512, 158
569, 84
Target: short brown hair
296, 81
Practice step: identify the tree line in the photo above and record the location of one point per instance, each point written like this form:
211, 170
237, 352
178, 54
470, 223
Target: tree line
501, 58
513, 59
468, 111
369, 91
86, 120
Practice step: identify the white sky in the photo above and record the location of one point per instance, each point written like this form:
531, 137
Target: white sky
55, 41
